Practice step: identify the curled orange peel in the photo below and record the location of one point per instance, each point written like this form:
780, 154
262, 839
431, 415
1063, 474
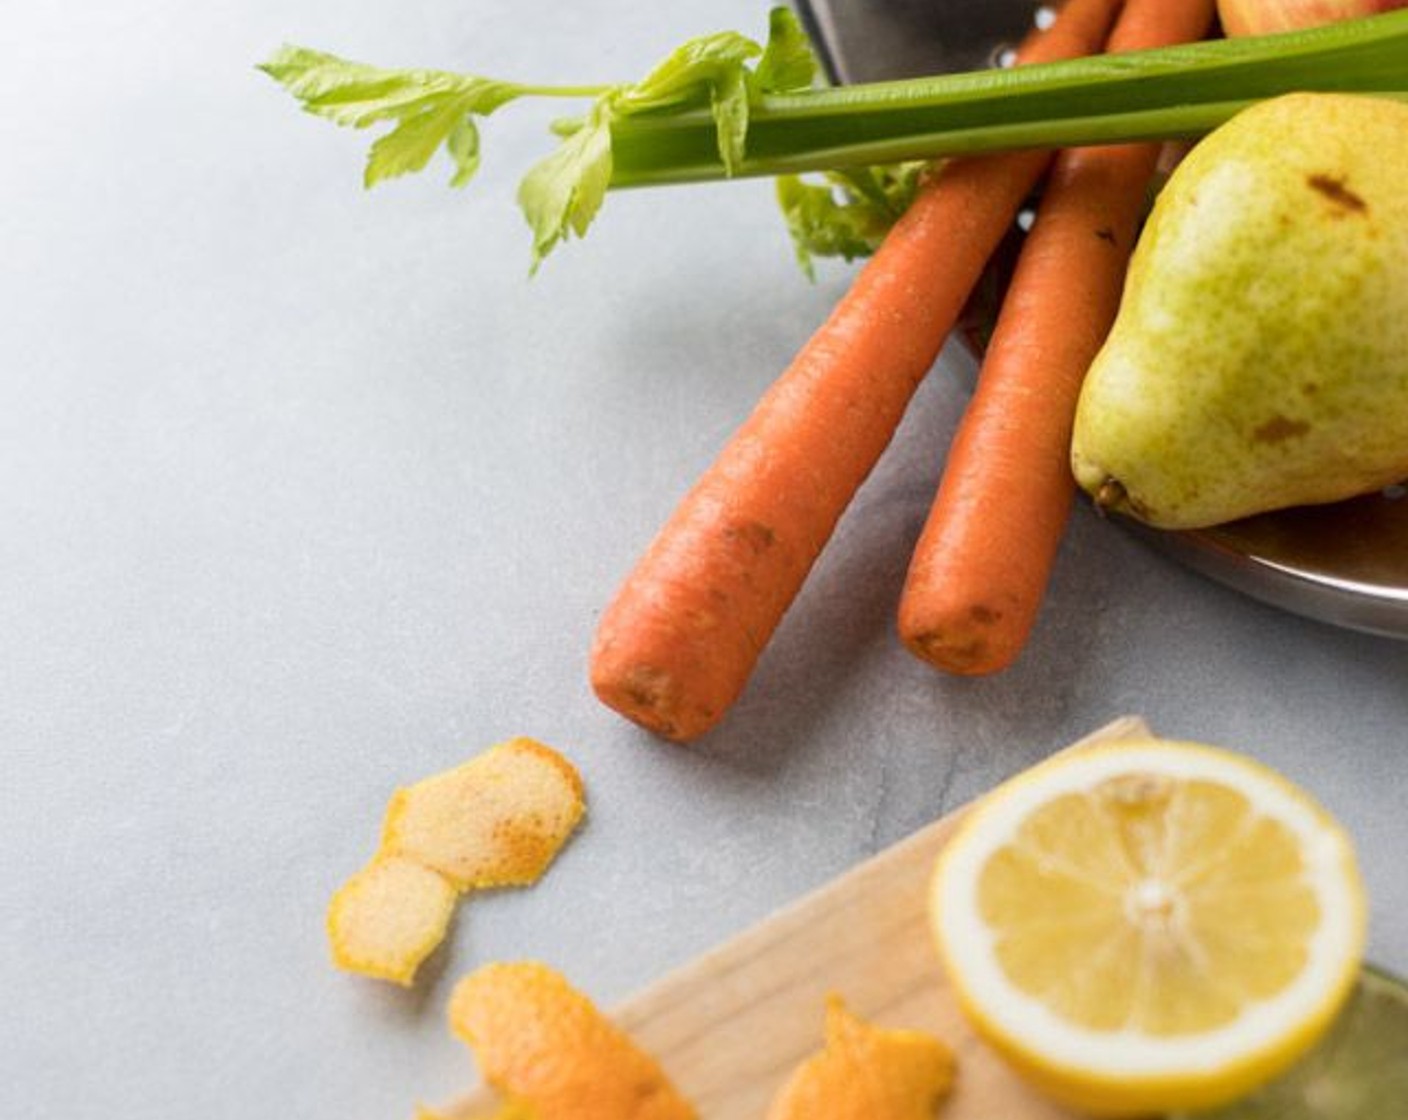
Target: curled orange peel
549, 1052
497, 820
866, 1072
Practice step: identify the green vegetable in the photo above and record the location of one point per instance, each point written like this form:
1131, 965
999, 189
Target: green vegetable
849, 212
561, 194
723, 105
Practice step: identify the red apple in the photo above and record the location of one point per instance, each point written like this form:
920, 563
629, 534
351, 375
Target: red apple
1262, 17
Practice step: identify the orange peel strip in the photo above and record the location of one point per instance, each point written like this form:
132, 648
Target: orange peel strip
495, 821
866, 1072
547, 1049
389, 917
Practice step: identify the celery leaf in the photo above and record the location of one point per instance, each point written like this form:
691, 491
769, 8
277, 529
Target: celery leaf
788, 63
429, 111
430, 108
562, 192
848, 213
712, 70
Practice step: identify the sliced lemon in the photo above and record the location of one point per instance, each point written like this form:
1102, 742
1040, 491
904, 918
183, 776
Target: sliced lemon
1150, 925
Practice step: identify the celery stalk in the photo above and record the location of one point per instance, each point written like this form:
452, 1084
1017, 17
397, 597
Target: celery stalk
1160, 94
723, 105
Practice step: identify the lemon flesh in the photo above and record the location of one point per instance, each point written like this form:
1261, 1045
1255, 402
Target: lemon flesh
1150, 925
1359, 1071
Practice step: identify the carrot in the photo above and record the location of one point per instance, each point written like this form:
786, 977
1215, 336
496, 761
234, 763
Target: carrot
983, 560
677, 644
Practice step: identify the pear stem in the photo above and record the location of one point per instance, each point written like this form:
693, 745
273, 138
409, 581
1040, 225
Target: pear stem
1111, 495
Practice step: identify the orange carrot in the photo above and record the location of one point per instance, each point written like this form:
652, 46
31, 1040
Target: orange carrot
677, 644
982, 563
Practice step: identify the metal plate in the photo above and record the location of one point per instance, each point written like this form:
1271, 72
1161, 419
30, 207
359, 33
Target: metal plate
1345, 564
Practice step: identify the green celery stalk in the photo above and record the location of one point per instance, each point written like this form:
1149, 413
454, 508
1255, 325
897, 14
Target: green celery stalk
1161, 94
723, 106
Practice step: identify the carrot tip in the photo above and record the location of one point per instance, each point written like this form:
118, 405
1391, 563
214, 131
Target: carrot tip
968, 655
652, 699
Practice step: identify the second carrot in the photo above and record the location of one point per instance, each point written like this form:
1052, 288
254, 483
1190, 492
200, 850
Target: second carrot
982, 563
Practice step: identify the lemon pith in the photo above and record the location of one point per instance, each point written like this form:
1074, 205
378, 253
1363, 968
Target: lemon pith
1149, 925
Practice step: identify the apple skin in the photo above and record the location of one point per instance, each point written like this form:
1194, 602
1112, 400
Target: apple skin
1264, 17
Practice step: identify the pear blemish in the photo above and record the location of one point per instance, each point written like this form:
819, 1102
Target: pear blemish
1335, 190
1280, 428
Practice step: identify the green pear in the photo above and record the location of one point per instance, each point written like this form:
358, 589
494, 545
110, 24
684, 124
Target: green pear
1260, 355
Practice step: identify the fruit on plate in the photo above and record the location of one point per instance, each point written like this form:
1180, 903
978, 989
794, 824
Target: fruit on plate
1259, 358
1265, 17
1358, 1072
1149, 925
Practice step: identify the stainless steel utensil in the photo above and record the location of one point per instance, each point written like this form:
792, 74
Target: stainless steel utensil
1345, 564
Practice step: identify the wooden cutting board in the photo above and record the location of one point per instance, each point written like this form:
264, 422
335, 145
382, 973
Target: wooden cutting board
731, 1025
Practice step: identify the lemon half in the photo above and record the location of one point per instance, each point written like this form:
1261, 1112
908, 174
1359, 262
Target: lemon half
1150, 925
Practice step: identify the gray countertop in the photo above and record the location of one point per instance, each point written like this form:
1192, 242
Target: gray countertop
309, 492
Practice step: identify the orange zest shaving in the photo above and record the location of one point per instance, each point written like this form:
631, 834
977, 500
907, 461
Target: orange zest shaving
551, 1054
389, 917
497, 820
866, 1072
494, 821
